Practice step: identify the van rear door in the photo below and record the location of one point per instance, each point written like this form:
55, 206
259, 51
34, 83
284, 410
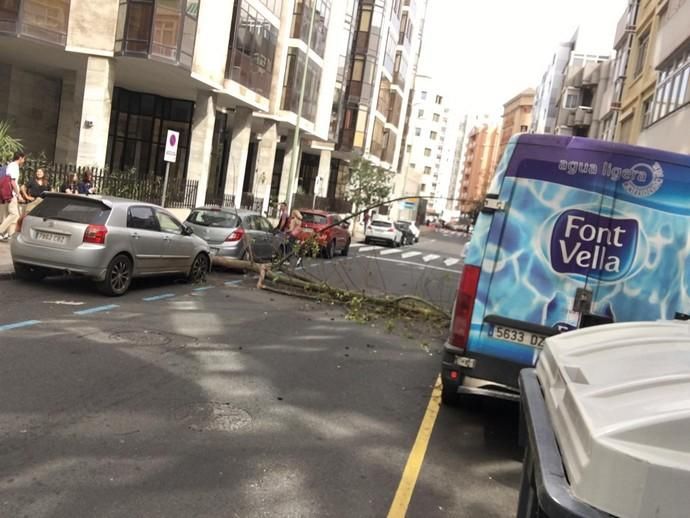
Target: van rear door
544, 247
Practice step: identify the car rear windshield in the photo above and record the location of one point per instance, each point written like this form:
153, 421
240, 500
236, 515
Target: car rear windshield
379, 223
75, 210
213, 218
403, 224
310, 217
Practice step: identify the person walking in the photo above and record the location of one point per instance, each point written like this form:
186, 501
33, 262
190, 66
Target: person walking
294, 233
283, 218
13, 198
33, 190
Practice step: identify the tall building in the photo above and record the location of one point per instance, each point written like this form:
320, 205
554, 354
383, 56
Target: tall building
638, 91
454, 186
517, 117
668, 117
99, 83
426, 163
481, 158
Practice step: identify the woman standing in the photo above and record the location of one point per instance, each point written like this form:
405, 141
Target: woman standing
294, 231
71, 186
34, 189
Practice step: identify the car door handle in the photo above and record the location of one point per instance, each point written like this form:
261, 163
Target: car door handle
135, 235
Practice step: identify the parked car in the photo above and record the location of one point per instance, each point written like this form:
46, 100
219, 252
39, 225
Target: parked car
409, 230
235, 233
110, 240
332, 234
382, 230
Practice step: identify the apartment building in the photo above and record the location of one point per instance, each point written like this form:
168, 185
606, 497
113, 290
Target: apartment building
426, 162
517, 117
99, 83
668, 118
481, 158
455, 186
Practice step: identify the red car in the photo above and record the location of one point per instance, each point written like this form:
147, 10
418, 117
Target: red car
332, 235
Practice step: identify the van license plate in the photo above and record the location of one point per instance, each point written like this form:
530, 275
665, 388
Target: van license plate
53, 238
517, 336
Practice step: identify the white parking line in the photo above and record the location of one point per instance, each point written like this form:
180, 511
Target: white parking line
451, 261
430, 257
391, 251
410, 254
414, 265
369, 248
356, 245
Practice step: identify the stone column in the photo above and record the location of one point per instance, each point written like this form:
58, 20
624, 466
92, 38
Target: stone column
239, 150
324, 174
265, 158
95, 111
201, 143
71, 100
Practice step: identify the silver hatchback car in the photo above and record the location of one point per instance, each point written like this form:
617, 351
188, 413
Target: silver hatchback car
110, 240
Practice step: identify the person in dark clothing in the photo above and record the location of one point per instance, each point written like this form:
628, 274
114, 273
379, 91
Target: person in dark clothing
71, 186
283, 218
86, 186
33, 190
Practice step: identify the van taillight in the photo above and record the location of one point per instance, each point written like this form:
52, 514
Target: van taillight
236, 235
95, 234
464, 304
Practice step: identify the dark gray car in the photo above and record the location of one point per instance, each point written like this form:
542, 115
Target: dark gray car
234, 233
110, 240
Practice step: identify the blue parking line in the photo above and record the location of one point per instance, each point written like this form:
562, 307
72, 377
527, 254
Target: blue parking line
158, 297
204, 288
17, 325
97, 309
233, 283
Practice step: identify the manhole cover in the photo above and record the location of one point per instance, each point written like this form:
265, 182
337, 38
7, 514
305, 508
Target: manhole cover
142, 337
213, 416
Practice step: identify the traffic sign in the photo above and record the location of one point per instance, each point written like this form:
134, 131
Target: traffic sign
171, 142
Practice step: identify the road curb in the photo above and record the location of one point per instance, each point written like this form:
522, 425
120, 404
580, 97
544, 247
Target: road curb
6, 276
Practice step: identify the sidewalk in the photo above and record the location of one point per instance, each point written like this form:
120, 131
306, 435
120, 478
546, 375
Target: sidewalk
6, 269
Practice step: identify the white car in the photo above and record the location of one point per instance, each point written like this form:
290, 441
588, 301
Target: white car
383, 231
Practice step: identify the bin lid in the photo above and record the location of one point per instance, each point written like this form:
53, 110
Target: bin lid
618, 397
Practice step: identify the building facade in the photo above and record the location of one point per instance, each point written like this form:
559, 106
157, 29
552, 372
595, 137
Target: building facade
99, 83
481, 157
517, 117
668, 119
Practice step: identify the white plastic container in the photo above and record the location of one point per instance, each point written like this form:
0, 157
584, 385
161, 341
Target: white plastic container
619, 400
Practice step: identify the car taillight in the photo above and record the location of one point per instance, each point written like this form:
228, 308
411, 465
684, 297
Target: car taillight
391, 229
19, 222
464, 304
236, 235
95, 234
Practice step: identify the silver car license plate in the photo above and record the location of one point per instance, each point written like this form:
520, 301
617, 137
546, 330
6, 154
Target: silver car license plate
60, 239
517, 336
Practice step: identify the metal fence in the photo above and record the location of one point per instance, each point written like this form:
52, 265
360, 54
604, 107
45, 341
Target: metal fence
181, 193
220, 200
251, 202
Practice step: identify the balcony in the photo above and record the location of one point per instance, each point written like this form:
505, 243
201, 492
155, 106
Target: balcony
626, 24
580, 117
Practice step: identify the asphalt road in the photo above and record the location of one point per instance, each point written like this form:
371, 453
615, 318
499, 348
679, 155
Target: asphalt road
224, 401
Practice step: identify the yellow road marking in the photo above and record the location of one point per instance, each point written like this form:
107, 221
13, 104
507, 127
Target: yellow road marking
414, 462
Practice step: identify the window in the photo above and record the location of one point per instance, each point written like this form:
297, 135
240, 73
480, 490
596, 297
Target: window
420, 114
427, 170
642, 45
301, 18
436, 117
293, 79
9, 14
167, 223
142, 218
413, 165
439, 99
409, 148
646, 112
423, 95
427, 151
422, 188
433, 135
42, 20
572, 99
523, 129
417, 132
672, 90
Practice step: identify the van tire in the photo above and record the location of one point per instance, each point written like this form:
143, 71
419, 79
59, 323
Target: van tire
449, 394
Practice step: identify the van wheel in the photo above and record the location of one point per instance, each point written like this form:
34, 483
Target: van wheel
118, 277
366, 241
199, 270
24, 272
449, 394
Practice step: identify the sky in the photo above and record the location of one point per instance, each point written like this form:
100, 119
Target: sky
488, 51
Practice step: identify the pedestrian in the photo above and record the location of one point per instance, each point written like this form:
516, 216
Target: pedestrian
366, 221
11, 197
283, 217
294, 233
86, 187
33, 190
71, 186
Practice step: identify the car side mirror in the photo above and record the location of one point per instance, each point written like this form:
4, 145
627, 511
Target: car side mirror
187, 231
